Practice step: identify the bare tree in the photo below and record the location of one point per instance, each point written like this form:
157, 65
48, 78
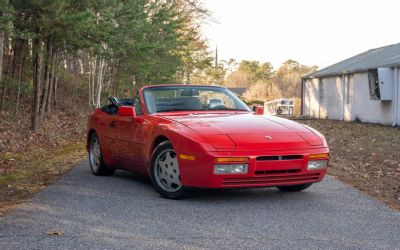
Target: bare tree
52, 81
36, 80
21, 66
2, 46
45, 93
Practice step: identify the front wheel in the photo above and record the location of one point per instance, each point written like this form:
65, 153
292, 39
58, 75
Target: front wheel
295, 188
96, 162
165, 174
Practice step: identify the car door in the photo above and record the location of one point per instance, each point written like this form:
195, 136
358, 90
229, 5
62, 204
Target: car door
106, 132
128, 141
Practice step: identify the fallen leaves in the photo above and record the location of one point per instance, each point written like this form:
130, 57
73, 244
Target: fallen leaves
54, 233
31, 161
365, 155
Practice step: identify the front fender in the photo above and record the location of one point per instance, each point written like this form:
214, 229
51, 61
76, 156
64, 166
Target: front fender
183, 140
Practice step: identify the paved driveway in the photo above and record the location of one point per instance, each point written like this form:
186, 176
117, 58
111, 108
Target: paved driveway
123, 211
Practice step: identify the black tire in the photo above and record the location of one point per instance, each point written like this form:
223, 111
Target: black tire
295, 188
279, 111
159, 173
96, 162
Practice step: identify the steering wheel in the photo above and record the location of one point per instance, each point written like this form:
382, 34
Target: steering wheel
113, 100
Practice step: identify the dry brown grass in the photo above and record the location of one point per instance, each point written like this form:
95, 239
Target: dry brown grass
31, 161
366, 156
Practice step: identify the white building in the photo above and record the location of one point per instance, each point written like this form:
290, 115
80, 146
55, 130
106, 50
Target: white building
364, 87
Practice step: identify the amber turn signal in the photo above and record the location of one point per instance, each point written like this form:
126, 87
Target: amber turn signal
231, 159
187, 157
319, 156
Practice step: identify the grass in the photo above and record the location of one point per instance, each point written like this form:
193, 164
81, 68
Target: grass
26, 174
13, 177
364, 155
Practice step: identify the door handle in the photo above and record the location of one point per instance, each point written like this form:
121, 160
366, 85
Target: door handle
112, 124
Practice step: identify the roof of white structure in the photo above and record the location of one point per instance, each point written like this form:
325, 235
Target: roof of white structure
388, 56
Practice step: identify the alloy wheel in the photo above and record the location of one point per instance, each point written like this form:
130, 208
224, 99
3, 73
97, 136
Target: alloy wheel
166, 171
95, 154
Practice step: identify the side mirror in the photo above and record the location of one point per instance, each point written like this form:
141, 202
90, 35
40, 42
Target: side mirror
126, 111
258, 110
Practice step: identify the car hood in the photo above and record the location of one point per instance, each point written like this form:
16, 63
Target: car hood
249, 132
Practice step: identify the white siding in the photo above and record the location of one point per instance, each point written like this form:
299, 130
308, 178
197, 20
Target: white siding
311, 98
306, 98
348, 98
366, 109
335, 97
323, 98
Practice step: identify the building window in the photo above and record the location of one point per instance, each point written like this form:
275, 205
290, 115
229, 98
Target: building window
374, 91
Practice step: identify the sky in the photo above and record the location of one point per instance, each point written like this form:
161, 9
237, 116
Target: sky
312, 32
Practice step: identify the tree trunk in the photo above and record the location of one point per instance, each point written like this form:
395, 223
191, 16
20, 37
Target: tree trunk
89, 82
52, 80
17, 44
77, 68
46, 79
109, 86
8, 69
93, 73
2, 48
21, 66
94, 85
116, 81
36, 81
1, 55
55, 89
110, 81
100, 82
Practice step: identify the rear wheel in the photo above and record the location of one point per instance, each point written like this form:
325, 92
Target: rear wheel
295, 188
97, 164
165, 174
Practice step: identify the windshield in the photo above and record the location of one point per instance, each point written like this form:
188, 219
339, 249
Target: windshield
191, 98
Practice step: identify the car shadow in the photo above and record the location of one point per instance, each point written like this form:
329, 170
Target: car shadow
134, 177
248, 194
234, 194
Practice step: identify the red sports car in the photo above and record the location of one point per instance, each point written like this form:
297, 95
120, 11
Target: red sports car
186, 136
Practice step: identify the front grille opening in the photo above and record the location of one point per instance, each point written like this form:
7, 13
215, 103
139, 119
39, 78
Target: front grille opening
286, 171
279, 158
271, 180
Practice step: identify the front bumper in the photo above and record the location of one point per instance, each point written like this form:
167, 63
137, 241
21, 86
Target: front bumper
265, 169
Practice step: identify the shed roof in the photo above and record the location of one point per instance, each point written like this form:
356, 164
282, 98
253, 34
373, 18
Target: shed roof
388, 56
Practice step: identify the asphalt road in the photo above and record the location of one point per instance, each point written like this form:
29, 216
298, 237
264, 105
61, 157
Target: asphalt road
124, 211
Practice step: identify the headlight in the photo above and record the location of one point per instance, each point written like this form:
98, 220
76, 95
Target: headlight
230, 168
317, 164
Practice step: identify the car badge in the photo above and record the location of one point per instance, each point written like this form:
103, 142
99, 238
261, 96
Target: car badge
268, 137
